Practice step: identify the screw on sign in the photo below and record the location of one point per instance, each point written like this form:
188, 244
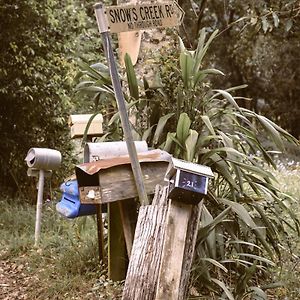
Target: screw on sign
143, 16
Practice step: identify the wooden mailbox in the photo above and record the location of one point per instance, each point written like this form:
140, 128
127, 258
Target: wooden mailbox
110, 181
78, 124
188, 182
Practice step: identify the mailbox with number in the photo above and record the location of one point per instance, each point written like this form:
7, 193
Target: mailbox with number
188, 182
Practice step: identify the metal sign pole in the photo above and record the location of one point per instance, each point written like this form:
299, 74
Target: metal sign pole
136, 168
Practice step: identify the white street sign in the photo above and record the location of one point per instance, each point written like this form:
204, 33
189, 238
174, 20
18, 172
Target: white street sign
143, 16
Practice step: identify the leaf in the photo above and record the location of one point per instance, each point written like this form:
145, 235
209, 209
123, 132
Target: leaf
131, 78
245, 243
241, 211
212, 71
223, 168
103, 137
186, 65
206, 218
257, 293
256, 257
93, 73
190, 145
238, 87
169, 141
199, 77
116, 116
224, 288
181, 45
84, 138
183, 127
265, 24
147, 133
101, 68
288, 25
227, 96
160, 126
214, 262
204, 231
208, 124
201, 51
274, 134
275, 19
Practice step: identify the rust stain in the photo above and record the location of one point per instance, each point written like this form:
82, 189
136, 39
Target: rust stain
150, 156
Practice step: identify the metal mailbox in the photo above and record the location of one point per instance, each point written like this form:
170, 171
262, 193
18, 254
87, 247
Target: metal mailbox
188, 182
69, 206
104, 150
78, 124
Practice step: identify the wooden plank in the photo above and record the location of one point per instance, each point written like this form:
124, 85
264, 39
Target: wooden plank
113, 180
173, 251
142, 274
117, 254
190, 243
128, 210
100, 234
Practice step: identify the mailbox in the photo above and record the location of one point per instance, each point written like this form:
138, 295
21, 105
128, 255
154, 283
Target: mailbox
104, 150
69, 206
188, 182
78, 124
43, 159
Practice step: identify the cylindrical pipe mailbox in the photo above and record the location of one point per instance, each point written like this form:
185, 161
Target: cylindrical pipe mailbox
43, 159
97, 151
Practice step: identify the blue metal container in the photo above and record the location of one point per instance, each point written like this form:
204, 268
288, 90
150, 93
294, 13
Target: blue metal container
69, 206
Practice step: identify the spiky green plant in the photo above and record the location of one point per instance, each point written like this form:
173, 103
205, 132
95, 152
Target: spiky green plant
241, 221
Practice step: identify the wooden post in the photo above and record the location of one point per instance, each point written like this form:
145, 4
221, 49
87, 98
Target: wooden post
163, 250
178, 251
117, 254
190, 243
142, 274
100, 233
128, 210
173, 251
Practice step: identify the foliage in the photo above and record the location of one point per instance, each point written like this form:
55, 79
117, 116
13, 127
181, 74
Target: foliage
258, 46
241, 220
38, 40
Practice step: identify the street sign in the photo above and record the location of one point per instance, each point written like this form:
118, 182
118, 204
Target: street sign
143, 16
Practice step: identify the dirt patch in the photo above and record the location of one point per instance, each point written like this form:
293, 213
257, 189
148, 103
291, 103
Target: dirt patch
15, 283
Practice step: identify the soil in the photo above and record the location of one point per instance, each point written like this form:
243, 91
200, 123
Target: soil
15, 283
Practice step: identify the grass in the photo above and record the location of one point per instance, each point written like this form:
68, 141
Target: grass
66, 261
66, 264
288, 176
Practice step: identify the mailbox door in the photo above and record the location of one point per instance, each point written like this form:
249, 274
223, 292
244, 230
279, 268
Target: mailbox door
192, 182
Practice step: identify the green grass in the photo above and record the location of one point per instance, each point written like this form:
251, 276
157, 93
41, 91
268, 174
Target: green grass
67, 259
288, 176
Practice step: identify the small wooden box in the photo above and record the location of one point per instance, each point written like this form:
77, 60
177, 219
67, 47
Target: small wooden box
78, 124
